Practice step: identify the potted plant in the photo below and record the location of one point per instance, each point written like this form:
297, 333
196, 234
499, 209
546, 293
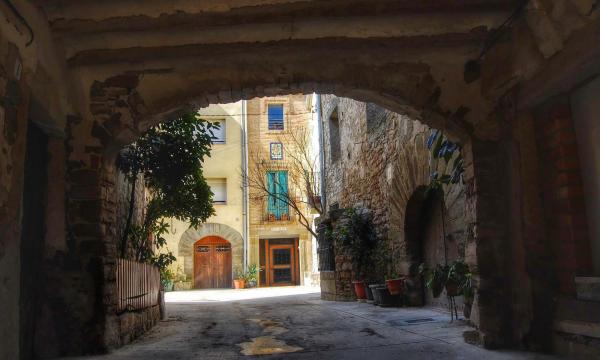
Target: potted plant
435, 279
359, 290
239, 280
456, 278
166, 278
252, 276
395, 285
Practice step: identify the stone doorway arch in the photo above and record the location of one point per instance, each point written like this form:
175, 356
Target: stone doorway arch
192, 235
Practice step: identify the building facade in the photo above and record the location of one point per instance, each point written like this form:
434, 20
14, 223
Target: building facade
278, 128
208, 255
271, 237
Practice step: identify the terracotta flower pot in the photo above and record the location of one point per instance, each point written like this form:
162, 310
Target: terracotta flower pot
239, 284
395, 286
359, 289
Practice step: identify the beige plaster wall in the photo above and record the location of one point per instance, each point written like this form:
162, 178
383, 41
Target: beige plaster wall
225, 162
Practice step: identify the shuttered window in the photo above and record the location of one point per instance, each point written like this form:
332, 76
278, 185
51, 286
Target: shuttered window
277, 184
275, 116
219, 189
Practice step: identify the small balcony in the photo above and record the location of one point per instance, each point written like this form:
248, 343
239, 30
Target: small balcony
272, 217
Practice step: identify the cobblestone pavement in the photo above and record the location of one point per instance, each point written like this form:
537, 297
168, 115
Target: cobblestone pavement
293, 323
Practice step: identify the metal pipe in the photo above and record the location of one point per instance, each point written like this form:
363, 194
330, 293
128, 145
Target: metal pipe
321, 155
245, 202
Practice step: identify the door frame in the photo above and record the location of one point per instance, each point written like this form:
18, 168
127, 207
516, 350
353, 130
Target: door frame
267, 250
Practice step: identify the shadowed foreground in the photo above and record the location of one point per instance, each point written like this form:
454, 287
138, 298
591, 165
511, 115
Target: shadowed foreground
293, 323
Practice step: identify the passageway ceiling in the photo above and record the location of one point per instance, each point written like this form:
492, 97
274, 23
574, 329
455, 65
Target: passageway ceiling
405, 55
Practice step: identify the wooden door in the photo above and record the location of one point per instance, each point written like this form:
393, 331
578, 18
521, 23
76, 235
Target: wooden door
282, 263
212, 263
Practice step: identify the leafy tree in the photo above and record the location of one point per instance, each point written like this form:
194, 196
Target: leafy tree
169, 156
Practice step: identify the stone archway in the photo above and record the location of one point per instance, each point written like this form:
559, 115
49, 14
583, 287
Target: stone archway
410, 173
192, 235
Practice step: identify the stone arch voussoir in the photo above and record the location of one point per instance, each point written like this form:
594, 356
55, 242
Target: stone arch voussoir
191, 235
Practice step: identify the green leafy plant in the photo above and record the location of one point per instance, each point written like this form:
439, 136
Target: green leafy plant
167, 276
456, 274
443, 149
252, 273
239, 273
170, 156
435, 279
356, 234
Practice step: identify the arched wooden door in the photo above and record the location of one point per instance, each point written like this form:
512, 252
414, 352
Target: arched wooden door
212, 263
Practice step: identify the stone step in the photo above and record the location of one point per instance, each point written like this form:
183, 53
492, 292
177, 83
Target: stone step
577, 310
589, 329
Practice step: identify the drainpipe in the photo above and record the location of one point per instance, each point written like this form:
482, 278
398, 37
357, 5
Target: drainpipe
245, 201
321, 155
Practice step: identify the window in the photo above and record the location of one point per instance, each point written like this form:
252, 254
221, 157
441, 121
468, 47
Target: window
219, 134
219, 190
334, 136
277, 185
275, 115
276, 149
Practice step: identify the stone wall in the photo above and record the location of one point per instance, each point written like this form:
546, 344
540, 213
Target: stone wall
385, 167
123, 194
13, 130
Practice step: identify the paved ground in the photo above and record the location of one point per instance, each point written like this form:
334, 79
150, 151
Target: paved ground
293, 323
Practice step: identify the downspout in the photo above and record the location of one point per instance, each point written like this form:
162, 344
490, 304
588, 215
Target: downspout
321, 156
245, 201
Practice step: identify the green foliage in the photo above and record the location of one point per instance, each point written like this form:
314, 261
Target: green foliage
435, 279
443, 149
141, 237
170, 157
456, 273
357, 235
252, 273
